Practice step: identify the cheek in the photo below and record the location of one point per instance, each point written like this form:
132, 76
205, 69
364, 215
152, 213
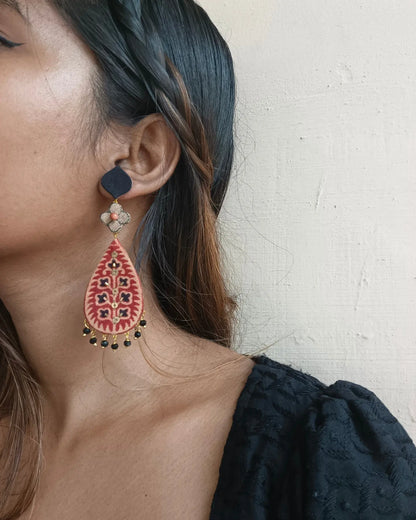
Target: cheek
40, 179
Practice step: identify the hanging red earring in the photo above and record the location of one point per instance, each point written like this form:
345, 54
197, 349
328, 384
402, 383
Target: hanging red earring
113, 303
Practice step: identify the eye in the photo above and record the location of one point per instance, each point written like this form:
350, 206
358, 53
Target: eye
7, 43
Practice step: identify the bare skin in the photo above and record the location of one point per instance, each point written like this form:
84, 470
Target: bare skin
120, 440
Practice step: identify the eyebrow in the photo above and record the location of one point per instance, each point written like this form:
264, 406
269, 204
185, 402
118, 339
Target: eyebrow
14, 4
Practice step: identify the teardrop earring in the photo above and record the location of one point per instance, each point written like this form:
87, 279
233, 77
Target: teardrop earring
113, 301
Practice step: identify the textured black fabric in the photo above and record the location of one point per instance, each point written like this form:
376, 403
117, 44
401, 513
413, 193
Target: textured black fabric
301, 450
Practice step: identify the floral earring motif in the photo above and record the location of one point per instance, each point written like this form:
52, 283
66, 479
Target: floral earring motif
113, 303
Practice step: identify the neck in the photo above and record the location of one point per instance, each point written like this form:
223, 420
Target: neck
44, 297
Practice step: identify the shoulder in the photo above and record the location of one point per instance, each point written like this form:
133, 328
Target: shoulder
342, 405
279, 392
322, 451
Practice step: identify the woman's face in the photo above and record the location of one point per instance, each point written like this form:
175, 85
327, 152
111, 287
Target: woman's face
48, 182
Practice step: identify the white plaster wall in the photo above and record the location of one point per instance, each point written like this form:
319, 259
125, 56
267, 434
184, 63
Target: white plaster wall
319, 222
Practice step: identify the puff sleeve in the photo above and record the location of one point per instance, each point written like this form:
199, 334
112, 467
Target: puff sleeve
352, 460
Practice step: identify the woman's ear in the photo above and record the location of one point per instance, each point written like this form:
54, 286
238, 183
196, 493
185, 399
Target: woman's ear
148, 152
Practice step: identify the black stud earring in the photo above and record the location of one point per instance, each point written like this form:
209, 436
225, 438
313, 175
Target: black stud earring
117, 182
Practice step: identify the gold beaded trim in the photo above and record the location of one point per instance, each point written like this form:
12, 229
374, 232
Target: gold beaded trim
114, 345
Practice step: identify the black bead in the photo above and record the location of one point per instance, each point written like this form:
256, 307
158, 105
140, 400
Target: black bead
86, 330
104, 343
142, 323
114, 346
137, 334
127, 343
117, 182
93, 341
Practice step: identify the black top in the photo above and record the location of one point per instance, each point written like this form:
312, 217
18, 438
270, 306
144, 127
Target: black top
301, 450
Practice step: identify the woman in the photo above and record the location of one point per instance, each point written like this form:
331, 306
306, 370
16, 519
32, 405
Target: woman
121, 112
